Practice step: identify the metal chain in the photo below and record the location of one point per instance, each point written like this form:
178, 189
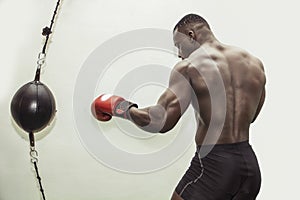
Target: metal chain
42, 55
34, 160
33, 155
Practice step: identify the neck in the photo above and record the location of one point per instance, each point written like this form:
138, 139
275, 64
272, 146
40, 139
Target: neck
206, 37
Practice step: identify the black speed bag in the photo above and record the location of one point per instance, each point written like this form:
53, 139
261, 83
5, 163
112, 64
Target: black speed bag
33, 106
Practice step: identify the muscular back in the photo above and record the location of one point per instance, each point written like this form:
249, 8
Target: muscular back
244, 80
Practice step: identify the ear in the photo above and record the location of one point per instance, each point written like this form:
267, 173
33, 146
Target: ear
191, 35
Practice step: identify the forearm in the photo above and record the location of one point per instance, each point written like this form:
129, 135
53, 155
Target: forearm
150, 119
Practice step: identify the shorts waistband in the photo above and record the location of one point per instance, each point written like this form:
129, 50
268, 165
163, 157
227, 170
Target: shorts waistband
225, 146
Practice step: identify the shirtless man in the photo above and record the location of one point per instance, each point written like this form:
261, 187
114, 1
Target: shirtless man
229, 169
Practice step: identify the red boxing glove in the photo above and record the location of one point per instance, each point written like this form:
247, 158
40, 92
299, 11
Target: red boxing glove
106, 106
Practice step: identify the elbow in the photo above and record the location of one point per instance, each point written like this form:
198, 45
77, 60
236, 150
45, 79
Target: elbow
152, 129
169, 123
167, 127
156, 128
164, 131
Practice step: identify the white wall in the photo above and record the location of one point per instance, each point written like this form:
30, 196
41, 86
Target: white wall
267, 29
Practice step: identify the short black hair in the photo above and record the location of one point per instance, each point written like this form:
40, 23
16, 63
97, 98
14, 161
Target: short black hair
189, 19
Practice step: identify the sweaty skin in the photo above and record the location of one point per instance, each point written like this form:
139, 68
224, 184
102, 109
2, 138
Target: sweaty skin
243, 77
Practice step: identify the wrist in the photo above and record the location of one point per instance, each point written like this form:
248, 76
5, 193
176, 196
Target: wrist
123, 109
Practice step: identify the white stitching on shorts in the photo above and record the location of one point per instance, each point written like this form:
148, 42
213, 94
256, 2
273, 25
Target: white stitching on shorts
194, 181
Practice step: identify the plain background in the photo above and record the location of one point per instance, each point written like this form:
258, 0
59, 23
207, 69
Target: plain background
267, 29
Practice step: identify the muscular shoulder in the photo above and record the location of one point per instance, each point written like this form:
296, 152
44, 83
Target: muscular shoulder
182, 67
236, 53
180, 72
243, 62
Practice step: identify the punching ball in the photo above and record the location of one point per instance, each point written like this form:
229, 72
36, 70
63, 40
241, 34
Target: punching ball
33, 106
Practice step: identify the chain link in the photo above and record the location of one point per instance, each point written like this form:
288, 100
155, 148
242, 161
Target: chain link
41, 60
33, 155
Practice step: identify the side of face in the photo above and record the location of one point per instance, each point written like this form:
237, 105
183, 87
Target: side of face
185, 42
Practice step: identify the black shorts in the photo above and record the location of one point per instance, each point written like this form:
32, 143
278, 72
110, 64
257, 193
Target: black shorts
228, 171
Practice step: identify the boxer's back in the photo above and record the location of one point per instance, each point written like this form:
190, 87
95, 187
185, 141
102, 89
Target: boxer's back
244, 80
